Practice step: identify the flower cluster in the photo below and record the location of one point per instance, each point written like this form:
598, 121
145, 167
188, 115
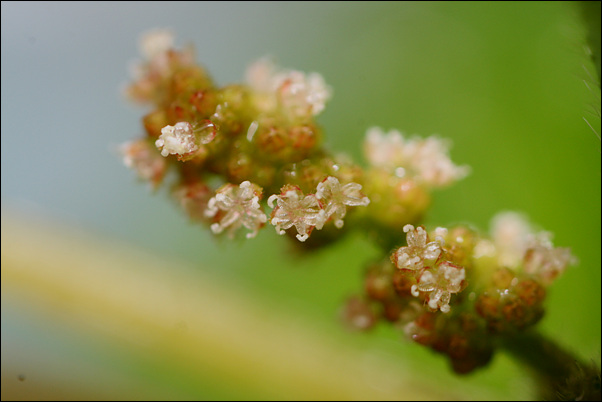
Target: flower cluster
216, 140
516, 245
307, 212
453, 290
521, 263
236, 150
153, 74
298, 95
425, 160
403, 171
435, 278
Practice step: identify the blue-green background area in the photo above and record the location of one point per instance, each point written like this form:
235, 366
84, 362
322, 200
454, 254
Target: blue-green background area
509, 83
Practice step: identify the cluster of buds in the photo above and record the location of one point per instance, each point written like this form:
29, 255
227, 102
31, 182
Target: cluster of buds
520, 264
239, 149
236, 150
455, 291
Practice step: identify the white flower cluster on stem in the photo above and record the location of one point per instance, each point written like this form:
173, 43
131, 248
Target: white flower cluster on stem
517, 245
299, 94
425, 160
307, 212
435, 277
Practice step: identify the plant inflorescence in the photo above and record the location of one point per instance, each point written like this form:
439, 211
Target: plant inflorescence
243, 157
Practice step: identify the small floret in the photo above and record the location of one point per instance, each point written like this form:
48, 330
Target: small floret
178, 140
240, 206
292, 208
140, 156
440, 282
419, 252
338, 197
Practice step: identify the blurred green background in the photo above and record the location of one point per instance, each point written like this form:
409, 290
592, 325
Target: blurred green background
510, 83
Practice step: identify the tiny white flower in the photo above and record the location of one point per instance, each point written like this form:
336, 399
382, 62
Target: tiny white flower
440, 282
178, 140
510, 233
418, 252
544, 260
338, 198
301, 95
193, 197
140, 156
241, 206
151, 73
426, 160
384, 149
294, 209
517, 244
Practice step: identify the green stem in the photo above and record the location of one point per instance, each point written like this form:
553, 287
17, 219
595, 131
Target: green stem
560, 375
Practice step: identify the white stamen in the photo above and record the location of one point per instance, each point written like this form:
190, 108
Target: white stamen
252, 129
